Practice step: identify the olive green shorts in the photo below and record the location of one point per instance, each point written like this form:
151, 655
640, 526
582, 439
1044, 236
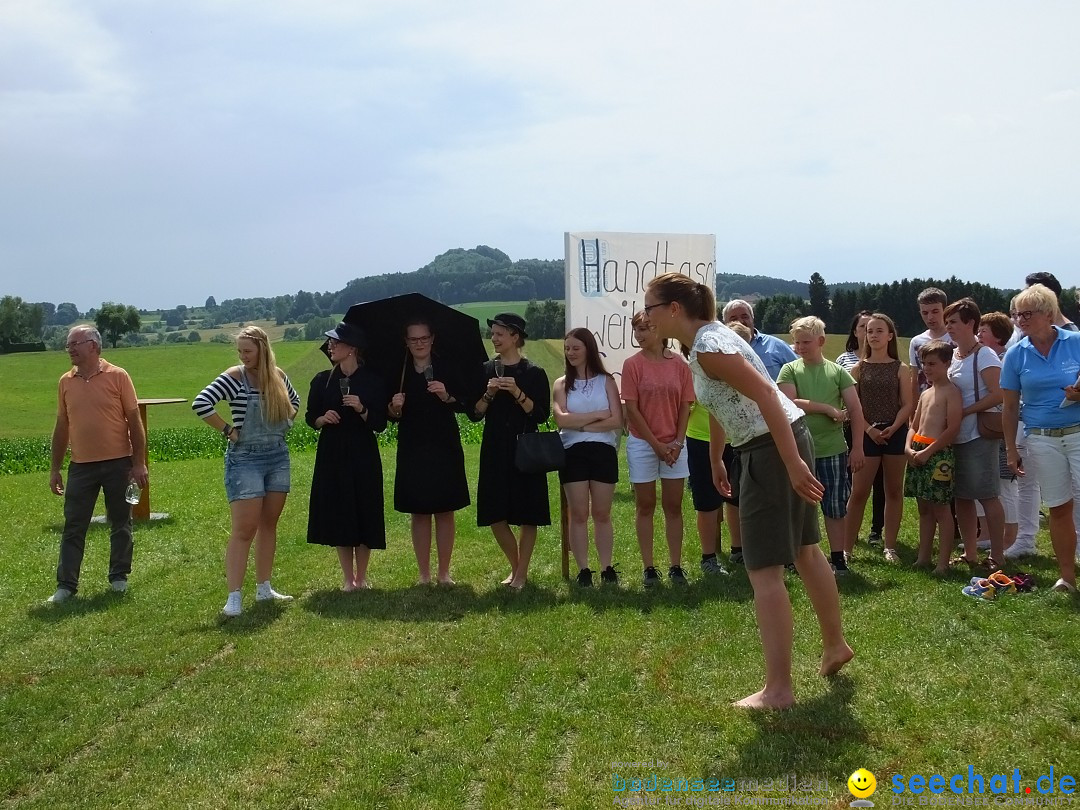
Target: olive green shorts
775, 521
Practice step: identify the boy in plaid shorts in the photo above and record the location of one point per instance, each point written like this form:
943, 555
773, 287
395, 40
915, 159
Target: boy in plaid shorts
826, 392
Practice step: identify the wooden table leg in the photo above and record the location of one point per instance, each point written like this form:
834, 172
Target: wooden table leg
141, 510
564, 527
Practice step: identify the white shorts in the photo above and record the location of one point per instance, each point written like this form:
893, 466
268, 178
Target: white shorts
1057, 459
645, 466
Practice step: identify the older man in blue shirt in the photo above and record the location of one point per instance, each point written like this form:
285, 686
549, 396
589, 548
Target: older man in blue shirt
772, 351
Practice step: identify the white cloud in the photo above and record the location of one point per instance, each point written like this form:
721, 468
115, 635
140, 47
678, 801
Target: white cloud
255, 141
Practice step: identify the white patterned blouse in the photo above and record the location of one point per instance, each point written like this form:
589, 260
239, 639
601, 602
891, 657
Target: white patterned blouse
739, 415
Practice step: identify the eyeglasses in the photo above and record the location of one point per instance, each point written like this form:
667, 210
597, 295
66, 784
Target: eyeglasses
77, 343
415, 341
647, 307
1022, 316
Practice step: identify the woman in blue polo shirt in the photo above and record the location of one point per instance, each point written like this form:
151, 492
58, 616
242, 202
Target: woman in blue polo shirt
1041, 371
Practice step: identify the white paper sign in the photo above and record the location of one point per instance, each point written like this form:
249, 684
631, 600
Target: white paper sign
606, 276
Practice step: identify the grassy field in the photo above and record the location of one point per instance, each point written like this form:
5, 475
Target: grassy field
420, 697
28, 396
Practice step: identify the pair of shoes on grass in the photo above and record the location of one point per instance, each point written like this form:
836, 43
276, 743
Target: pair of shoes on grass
264, 592
609, 576
991, 587
651, 578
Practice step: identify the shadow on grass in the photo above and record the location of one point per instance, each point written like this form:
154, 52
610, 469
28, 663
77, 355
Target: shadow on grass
253, 620
74, 607
715, 589
427, 603
102, 526
815, 739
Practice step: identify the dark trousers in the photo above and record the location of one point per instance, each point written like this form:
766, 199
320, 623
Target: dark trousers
80, 495
877, 519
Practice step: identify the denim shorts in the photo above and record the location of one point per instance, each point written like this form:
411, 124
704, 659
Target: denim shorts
252, 470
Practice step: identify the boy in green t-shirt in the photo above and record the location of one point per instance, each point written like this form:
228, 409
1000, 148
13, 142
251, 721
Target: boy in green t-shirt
826, 392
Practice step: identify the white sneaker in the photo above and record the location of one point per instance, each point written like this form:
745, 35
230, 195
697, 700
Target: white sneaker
1064, 587
61, 595
1021, 548
234, 605
265, 593
118, 585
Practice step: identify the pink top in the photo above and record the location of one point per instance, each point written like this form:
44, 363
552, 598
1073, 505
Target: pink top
659, 388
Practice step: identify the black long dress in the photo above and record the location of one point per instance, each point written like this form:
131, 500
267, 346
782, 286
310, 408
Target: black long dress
430, 475
346, 505
502, 492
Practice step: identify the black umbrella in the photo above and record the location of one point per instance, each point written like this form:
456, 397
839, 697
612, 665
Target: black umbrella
457, 336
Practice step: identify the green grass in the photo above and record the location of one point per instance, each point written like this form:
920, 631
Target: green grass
483, 310
411, 696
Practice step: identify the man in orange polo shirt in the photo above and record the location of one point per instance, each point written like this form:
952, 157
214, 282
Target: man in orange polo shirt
98, 416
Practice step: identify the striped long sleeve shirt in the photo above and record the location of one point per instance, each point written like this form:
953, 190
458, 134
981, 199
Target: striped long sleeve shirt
229, 388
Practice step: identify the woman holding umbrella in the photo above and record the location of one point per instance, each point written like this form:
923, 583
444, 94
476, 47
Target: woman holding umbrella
347, 405
517, 400
430, 477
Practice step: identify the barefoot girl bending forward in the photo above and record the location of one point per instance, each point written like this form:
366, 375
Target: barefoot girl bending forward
777, 490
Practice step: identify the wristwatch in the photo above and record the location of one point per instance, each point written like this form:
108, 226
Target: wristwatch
227, 431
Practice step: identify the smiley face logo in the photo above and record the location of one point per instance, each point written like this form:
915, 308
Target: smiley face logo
862, 784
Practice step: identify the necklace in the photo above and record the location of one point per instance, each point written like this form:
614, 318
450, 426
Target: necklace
86, 378
588, 382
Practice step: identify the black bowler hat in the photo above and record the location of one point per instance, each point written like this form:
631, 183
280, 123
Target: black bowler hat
349, 334
511, 321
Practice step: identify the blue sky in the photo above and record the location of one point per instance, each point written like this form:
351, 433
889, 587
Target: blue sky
156, 153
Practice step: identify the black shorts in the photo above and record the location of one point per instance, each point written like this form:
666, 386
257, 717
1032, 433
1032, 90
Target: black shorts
590, 461
895, 446
705, 496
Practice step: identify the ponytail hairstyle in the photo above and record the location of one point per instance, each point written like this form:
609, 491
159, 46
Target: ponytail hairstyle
275, 396
697, 300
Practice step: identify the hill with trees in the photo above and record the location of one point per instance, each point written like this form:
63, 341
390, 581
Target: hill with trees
482, 273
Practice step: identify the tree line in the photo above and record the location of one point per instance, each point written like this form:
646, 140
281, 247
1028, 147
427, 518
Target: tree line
897, 299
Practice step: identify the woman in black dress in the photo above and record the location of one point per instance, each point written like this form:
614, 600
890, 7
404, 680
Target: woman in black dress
347, 405
517, 400
430, 477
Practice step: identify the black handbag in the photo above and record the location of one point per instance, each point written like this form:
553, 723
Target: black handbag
539, 452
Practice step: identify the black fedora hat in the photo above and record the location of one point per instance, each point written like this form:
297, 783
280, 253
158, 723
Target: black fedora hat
349, 334
511, 321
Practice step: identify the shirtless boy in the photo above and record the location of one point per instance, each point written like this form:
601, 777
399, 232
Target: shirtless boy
930, 457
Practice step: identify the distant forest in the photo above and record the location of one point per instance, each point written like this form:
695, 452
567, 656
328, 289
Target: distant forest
484, 273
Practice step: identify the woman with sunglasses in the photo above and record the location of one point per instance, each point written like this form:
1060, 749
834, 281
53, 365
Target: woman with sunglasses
1041, 371
778, 492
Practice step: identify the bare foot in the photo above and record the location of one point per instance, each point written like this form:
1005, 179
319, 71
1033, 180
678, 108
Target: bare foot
349, 587
509, 579
424, 581
515, 584
941, 571
363, 585
922, 564
833, 661
446, 581
759, 700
